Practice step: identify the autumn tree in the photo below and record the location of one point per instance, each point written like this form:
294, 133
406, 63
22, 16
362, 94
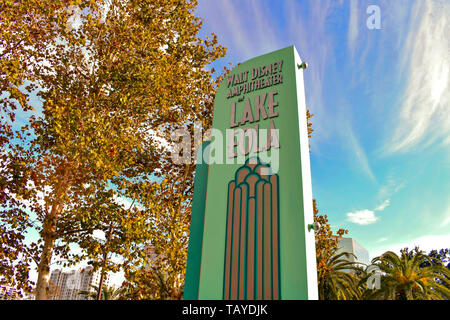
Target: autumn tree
169, 204
326, 245
26, 29
325, 239
117, 75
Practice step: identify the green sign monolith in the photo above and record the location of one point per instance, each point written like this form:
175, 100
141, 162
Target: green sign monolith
251, 234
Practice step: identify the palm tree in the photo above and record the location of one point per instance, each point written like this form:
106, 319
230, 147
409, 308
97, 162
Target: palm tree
336, 280
108, 293
403, 278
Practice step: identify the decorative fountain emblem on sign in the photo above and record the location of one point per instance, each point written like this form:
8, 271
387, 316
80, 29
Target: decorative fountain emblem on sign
252, 234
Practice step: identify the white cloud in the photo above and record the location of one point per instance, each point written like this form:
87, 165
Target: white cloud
127, 203
74, 20
382, 239
116, 279
123, 202
353, 27
424, 118
362, 217
157, 138
383, 206
99, 234
366, 216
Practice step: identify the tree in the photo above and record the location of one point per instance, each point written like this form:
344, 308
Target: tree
326, 248
337, 282
169, 205
325, 239
154, 283
441, 257
54, 291
26, 29
309, 116
123, 70
403, 278
125, 232
108, 293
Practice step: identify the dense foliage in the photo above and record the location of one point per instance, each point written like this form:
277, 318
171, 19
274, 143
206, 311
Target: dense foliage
111, 79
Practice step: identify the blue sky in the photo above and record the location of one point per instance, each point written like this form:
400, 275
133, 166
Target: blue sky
380, 152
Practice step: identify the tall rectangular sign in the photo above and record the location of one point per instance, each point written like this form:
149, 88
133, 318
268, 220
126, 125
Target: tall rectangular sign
249, 232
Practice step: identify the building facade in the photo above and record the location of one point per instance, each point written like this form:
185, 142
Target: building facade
353, 246
67, 285
11, 293
8, 293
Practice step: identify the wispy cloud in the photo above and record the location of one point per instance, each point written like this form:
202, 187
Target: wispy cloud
308, 27
264, 28
389, 188
383, 206
446, 215
358, 151
246, 28
424, 117
250, 28
446, 221
234, 22
353, 27
312, 35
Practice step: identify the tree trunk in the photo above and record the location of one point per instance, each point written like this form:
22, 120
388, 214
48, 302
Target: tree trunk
105, 259
48, 235
100, 286
42, 286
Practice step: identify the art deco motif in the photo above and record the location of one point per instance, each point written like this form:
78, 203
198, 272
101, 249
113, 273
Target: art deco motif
251, 250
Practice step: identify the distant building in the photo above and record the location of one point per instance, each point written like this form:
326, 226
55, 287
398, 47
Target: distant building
11, 293
67, 285
153, 259
352, 246
8, 293
28, 296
